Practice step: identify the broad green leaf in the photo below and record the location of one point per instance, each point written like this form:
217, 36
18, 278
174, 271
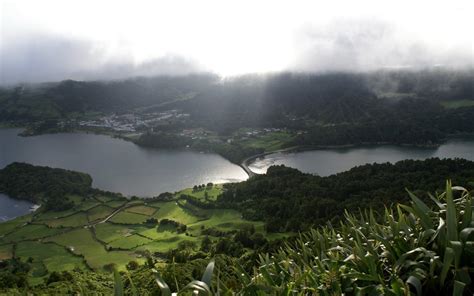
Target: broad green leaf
448, 260
458, 288
415, 282
118, 284
451, 220
165, 289
207, 276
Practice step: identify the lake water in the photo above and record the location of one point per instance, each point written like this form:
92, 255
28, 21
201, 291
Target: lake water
330, 161
118, 165
11, 208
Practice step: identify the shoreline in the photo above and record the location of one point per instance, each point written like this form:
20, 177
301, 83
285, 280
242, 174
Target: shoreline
248, 161
245, 163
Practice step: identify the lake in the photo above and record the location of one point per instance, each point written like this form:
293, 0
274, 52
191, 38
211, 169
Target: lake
117, 165
11, 208
325, 162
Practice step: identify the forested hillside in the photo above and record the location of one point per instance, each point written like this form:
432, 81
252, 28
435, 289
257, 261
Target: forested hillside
288, 200
43, 185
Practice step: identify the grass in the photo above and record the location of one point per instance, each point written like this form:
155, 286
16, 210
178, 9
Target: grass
31, 232
10, 225
54, 215
109, 232
129, 242
212, 192
167, 242
81, 242
76, 220
104, 198
6, 251
224, 220
269, 141
144, 210
98, 213
457, 104
116, 203
170, 210
54, 257
87, 205
124, 217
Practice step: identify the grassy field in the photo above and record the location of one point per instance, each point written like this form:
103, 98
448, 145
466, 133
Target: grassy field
130, 242
171, 210
223, 220
76, 220
212, 192
9, 226
6, 251
269, 141
31, 232
116, 203
457, 104
75, 238
128, 218
144, 210
81, 242
109, 232
98, 213
54, 257
168, 242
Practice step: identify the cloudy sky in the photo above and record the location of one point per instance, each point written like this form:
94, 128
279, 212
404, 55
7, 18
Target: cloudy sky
51, 40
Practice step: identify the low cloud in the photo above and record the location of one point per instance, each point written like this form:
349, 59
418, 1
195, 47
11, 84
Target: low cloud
365, 45
43, 58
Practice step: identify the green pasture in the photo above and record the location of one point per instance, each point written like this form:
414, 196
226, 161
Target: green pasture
457, 104
129, 242
81, 242
169, 241
269, 141
6, 251
8, 226
124, 217
115, 203
76, 220
54, 257
31, 232
109, 232
98, 213
171, 210
144, 210
212, 192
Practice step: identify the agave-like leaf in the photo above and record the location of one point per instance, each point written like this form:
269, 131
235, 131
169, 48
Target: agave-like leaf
165, 289
416, 283
451, 220
200, 287
467, 216
457, 248
118, 284
448, 259
458, 288
132, 286
207, 276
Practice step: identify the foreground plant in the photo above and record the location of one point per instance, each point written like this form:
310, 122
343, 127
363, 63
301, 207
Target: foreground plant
415, 249
202, 287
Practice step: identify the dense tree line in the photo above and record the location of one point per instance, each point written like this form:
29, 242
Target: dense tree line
288, 200
45, 185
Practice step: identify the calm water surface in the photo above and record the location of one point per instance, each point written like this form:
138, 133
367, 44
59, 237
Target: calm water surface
118, 165
331, 161
11, 208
